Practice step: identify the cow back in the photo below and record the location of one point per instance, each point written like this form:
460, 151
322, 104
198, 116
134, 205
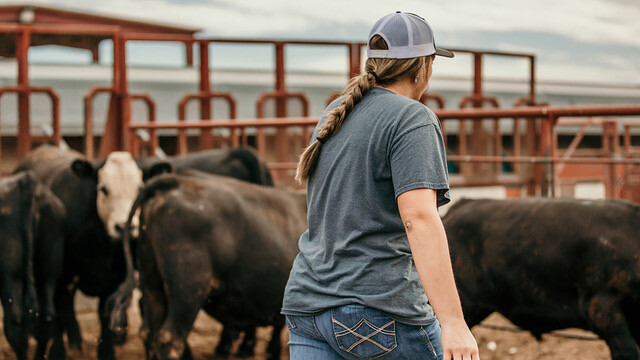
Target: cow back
535, 258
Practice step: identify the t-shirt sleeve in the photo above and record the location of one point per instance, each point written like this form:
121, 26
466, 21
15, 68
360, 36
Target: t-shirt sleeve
417, 158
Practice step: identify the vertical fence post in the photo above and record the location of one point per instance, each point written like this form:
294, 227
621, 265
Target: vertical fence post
206, 137
532, 79
478, 138
354, 59
545, 173
282, 137
23, 41
611, 149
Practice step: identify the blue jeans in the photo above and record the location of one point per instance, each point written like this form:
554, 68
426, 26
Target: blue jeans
359, 332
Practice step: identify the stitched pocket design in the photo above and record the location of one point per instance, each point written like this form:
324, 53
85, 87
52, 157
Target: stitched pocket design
290, 323
363, 332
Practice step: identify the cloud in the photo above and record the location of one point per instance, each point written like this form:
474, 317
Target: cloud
586, 20
567, 35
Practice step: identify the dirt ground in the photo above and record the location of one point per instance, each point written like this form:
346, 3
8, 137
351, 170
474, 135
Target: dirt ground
494, 344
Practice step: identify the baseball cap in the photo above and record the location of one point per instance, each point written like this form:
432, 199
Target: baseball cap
407, 36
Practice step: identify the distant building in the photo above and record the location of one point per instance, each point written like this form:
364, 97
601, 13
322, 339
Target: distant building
167, 85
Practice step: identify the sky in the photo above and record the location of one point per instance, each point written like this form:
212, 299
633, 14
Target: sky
594, 41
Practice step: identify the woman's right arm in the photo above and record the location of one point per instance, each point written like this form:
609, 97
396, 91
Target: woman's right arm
430, 250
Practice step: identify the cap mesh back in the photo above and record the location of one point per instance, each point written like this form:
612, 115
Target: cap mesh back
407, 35
420, 35
390, 29
376, 25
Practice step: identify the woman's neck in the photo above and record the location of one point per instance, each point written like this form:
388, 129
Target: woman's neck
406, 87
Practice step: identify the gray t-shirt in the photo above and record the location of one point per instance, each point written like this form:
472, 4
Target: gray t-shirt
356, 250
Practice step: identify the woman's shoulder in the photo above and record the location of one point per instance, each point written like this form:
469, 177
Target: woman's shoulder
416, 114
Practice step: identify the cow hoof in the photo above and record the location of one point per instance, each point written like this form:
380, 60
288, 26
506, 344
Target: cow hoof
244, 353
57, 351
220, 356
75, 342
120, 337
106, 353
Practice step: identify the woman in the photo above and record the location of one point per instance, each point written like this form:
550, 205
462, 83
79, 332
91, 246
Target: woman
376, 174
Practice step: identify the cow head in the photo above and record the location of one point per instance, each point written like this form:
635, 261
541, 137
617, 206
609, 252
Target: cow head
117, 182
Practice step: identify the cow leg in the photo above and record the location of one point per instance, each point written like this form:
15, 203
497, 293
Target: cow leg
48, 271
106, 343
610, 324
229, 334
632, 314
182, 310
634, 324
44, 331
14, 324
275, 344
43, 335
144, 327
71, 325
248, 343
64, 298
64, 321
186, 354
153, 303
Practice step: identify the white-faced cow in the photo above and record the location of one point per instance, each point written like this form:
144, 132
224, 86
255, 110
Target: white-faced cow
551, 264
215, 243
98, 196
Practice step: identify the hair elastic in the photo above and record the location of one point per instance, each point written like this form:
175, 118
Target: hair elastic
375, 76
321, 140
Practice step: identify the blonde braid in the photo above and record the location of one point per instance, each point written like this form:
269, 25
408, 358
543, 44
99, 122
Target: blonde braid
357, 88
387, 71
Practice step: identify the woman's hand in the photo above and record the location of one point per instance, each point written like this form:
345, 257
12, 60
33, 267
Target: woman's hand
458, 343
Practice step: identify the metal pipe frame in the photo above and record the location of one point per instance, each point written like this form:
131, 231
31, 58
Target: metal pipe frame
574, 143
538, 112
206, 96
24, 132
541, 159
477, 100
119, 117
151, 118
23, 33
281, 98
628, 152
354, 49
89, 139
546, 153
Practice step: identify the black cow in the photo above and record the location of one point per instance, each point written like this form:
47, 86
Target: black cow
96, 195
241, 163
214, 243
551, 264
31, 242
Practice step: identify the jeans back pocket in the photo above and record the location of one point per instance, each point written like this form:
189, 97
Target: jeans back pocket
363, 331
290, 322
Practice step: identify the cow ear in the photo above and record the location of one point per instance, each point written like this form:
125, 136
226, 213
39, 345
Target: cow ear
27, 183
83, 169
157, 169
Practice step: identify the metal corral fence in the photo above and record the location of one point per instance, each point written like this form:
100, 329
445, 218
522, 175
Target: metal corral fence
532, 163
542, 153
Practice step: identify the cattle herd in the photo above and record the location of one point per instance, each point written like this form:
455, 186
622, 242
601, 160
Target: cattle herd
209, 231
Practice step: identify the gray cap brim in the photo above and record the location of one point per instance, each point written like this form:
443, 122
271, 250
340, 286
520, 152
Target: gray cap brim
443, 52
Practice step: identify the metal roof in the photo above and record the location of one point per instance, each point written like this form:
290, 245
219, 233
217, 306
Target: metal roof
28, 15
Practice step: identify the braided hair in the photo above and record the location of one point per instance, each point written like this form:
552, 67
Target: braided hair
378, 71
